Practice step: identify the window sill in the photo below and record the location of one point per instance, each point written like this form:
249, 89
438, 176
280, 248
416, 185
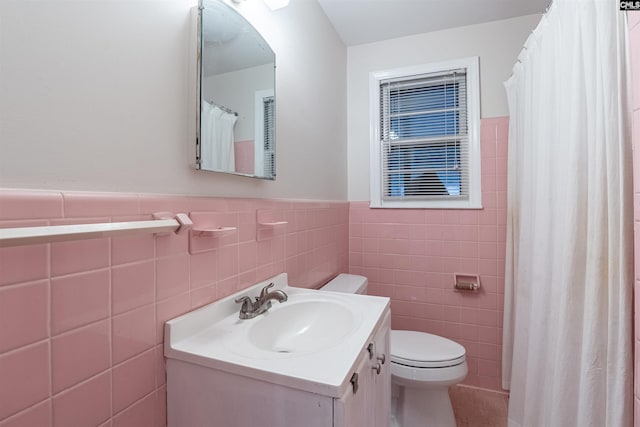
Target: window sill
440, 204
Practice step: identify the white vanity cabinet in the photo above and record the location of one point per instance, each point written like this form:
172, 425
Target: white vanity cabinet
226, 372
199, 396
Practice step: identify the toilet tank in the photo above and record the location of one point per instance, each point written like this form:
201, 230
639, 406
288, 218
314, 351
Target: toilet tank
347, 283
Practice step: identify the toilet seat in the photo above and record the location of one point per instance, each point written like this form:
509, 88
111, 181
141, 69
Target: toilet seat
423, 350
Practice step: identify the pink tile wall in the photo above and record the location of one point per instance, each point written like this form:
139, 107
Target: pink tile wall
634, 39
81, 323
412, 255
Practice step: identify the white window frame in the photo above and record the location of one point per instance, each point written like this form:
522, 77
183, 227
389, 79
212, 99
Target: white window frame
474, 201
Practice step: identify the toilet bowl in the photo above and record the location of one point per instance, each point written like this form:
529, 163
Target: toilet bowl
423, 366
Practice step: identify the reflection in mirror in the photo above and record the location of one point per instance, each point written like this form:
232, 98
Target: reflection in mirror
236, 106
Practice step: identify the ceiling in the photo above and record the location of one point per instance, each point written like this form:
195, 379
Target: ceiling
367, 21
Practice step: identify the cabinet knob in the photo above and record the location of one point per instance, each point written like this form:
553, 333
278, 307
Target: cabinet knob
377, 368
381, 358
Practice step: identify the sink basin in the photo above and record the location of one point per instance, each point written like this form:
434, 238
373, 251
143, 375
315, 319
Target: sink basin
302, 327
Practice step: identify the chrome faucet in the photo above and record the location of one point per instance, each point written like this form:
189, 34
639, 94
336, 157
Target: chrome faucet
262, 303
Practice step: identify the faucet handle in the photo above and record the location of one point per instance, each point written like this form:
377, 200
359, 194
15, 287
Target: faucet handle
265, 290
245, 300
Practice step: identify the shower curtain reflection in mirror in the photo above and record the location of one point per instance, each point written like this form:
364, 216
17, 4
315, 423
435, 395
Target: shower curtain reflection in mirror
217, 142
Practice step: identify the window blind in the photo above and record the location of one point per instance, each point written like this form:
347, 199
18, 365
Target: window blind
424, 137
269, 151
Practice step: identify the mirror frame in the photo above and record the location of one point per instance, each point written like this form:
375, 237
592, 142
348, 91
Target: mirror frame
200, 41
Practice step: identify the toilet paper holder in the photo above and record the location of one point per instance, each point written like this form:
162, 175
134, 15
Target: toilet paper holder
466, 282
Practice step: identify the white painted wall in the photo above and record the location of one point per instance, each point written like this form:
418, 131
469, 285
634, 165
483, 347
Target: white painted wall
496, 43
97, 95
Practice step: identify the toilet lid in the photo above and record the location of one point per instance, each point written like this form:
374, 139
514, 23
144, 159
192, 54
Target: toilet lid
422, 350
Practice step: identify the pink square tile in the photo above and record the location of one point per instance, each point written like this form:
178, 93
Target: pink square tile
487, 130
29, 204
203, 269
205, 295
24, 316
467, 233
140, 414
228, 286
133, 380
295, 243
487, 318
160, 366
79, 255
167, 310
247, 256
636, 371
80, 354
501, 170
23, 264
488, 148
132, 286
87, 404
38, 415
133, 333
172, 244
132, 249
487, 351
636, 296
247, 226
487, 368
488, 171
487, 233
487, 335
161, 407
228, 260
79, 299
451, 330
489, 283
172, 276
502, 133
82, 204
469, 249
248, 278
24, 375
488, 267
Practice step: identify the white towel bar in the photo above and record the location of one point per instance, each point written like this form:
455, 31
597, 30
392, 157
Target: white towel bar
165, 223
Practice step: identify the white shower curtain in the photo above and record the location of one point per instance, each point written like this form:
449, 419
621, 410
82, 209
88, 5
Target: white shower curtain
217, 151
567, 347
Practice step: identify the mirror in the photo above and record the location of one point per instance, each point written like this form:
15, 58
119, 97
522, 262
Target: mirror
236, 103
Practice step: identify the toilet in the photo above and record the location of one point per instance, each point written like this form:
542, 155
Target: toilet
423, 366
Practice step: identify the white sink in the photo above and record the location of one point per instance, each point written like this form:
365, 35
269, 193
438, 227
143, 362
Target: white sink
309, 342
303, 326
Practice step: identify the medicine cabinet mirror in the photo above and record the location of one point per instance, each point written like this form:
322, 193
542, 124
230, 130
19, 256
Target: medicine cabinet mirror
236, 102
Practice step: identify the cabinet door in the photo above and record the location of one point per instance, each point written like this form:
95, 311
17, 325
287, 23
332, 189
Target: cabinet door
370, 404
379, 411
352, 409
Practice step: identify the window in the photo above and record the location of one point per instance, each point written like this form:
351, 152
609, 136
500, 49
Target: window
425, 148
264, 143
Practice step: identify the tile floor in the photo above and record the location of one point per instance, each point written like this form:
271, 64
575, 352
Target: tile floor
474, 407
